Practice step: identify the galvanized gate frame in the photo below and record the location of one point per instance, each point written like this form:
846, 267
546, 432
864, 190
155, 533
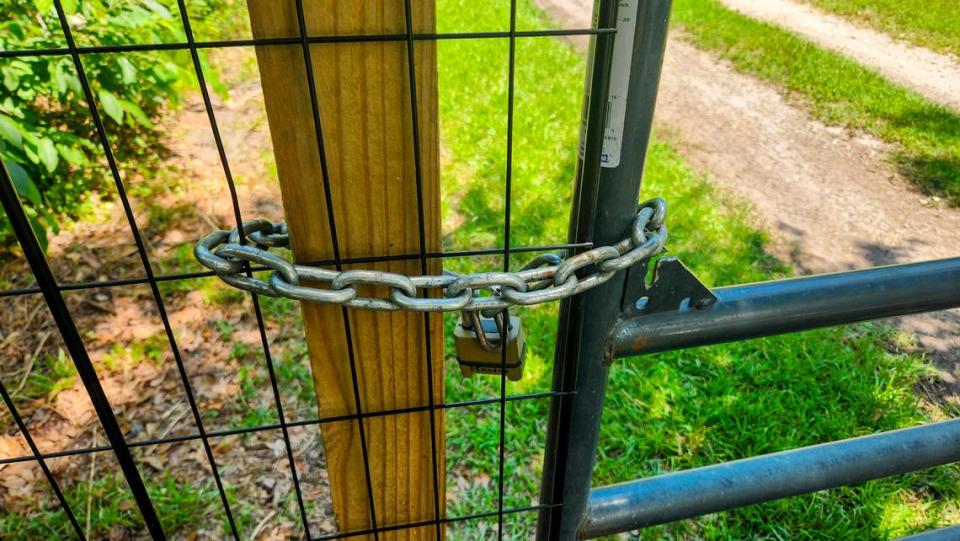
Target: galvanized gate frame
629, 317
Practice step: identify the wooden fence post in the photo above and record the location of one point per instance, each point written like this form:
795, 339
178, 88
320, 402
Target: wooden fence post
363, 92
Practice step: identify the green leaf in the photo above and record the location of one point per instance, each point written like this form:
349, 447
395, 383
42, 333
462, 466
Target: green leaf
9, 132
157, 8
16, 30
44, 7
39, 231
66, 78
11, 79
137, 113
22, 182
128, 72
31, 154
58, 79
111, 105
48, 154
70, 6
51, 220
74, 156
213, 77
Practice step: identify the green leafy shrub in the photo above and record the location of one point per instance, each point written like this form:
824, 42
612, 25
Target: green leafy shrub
47, 137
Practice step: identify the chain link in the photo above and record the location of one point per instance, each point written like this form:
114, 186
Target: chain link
546, 278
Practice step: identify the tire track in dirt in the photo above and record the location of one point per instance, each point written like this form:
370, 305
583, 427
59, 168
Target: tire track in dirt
830, 198
933, 75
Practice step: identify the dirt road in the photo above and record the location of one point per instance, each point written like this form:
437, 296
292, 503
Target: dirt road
830, 198
933, 75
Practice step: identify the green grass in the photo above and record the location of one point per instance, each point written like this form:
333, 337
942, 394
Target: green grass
50, 375
473, 87
674, 410
180, 506
932, 23
837, 90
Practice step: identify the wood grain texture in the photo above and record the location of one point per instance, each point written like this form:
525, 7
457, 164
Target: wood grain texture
364, 99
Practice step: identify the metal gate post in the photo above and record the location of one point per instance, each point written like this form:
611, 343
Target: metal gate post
605, 203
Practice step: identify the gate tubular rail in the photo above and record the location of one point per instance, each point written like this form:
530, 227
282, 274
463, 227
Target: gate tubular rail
782, 306
720, 487
950, 533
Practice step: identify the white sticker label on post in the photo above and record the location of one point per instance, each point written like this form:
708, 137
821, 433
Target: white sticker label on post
619, 83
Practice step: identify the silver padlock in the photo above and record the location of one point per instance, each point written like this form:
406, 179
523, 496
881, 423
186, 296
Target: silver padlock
479, 348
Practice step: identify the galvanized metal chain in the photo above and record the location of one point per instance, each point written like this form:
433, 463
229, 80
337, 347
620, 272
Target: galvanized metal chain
546, 278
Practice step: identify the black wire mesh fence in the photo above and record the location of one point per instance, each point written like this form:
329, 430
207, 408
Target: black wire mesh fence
226, 388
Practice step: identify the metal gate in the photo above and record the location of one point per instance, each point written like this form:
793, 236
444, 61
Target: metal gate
628, 316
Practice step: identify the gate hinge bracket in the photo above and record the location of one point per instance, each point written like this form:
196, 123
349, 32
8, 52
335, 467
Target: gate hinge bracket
673, 288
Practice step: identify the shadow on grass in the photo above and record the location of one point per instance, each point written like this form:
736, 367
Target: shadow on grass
930, 157
935, 175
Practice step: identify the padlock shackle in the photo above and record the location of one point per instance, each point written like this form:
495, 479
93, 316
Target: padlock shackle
491, 345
